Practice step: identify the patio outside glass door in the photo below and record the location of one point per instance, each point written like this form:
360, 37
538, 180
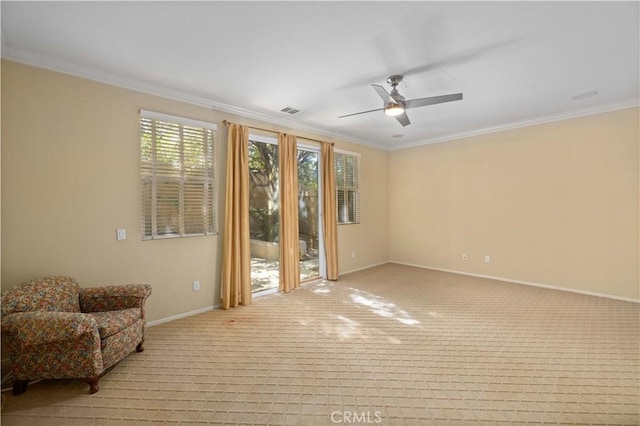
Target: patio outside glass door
309, 213
264, 216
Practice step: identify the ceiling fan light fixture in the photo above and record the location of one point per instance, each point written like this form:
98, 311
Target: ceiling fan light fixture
395, 105
393, 110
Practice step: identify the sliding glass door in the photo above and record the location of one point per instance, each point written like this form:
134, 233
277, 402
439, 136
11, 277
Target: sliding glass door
309, 213
264, 215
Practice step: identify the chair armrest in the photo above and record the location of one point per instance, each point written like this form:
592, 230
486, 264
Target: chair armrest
114, 297
37, 327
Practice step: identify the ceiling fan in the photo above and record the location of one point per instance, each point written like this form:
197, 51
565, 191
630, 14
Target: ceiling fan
395, 104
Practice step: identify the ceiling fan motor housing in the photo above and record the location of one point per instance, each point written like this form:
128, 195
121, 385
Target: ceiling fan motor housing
397, 96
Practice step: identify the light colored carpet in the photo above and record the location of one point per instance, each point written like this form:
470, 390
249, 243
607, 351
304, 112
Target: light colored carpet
390, 345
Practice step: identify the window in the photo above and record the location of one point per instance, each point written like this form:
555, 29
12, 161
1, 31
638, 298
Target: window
347, 169
177, 168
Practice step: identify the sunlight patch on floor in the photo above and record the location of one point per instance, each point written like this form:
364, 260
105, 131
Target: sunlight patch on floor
381, 307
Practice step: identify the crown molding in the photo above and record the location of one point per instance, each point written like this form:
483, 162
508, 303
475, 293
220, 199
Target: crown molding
630, 103
52, 64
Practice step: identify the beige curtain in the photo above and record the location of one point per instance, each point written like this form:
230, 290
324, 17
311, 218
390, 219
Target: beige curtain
236, 260
289, 238
329, 219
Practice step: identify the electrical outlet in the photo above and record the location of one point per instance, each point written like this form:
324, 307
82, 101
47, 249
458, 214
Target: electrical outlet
196, 285
465, 256
487, 259
121, 234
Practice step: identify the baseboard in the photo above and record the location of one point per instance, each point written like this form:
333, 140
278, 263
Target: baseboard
533, 284
183, 315
351, 271
509, 280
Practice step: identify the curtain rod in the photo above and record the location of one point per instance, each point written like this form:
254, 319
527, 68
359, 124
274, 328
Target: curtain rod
226, 123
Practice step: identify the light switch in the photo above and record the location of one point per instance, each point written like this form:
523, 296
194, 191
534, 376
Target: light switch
121, 234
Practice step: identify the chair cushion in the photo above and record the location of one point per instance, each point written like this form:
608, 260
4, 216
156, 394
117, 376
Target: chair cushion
112, 322
43, 294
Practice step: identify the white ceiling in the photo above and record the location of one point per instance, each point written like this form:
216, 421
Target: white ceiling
516, 62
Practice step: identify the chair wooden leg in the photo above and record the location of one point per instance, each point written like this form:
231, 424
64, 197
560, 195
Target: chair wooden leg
20, 386
140, 348
93, 384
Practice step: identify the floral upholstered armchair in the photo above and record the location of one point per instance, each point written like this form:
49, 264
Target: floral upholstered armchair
53, 329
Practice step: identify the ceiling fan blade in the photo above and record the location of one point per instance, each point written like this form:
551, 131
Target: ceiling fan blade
403, 119
386, 97
465, 56
362, 112
414, 103
460, 58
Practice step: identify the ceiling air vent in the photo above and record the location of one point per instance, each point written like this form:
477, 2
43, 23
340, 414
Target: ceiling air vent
290, 110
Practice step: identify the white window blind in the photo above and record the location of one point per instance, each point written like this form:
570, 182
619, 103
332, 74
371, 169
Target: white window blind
347, 169
177, 168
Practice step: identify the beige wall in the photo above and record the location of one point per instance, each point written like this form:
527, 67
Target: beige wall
367, 244
553, 204
70, 178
